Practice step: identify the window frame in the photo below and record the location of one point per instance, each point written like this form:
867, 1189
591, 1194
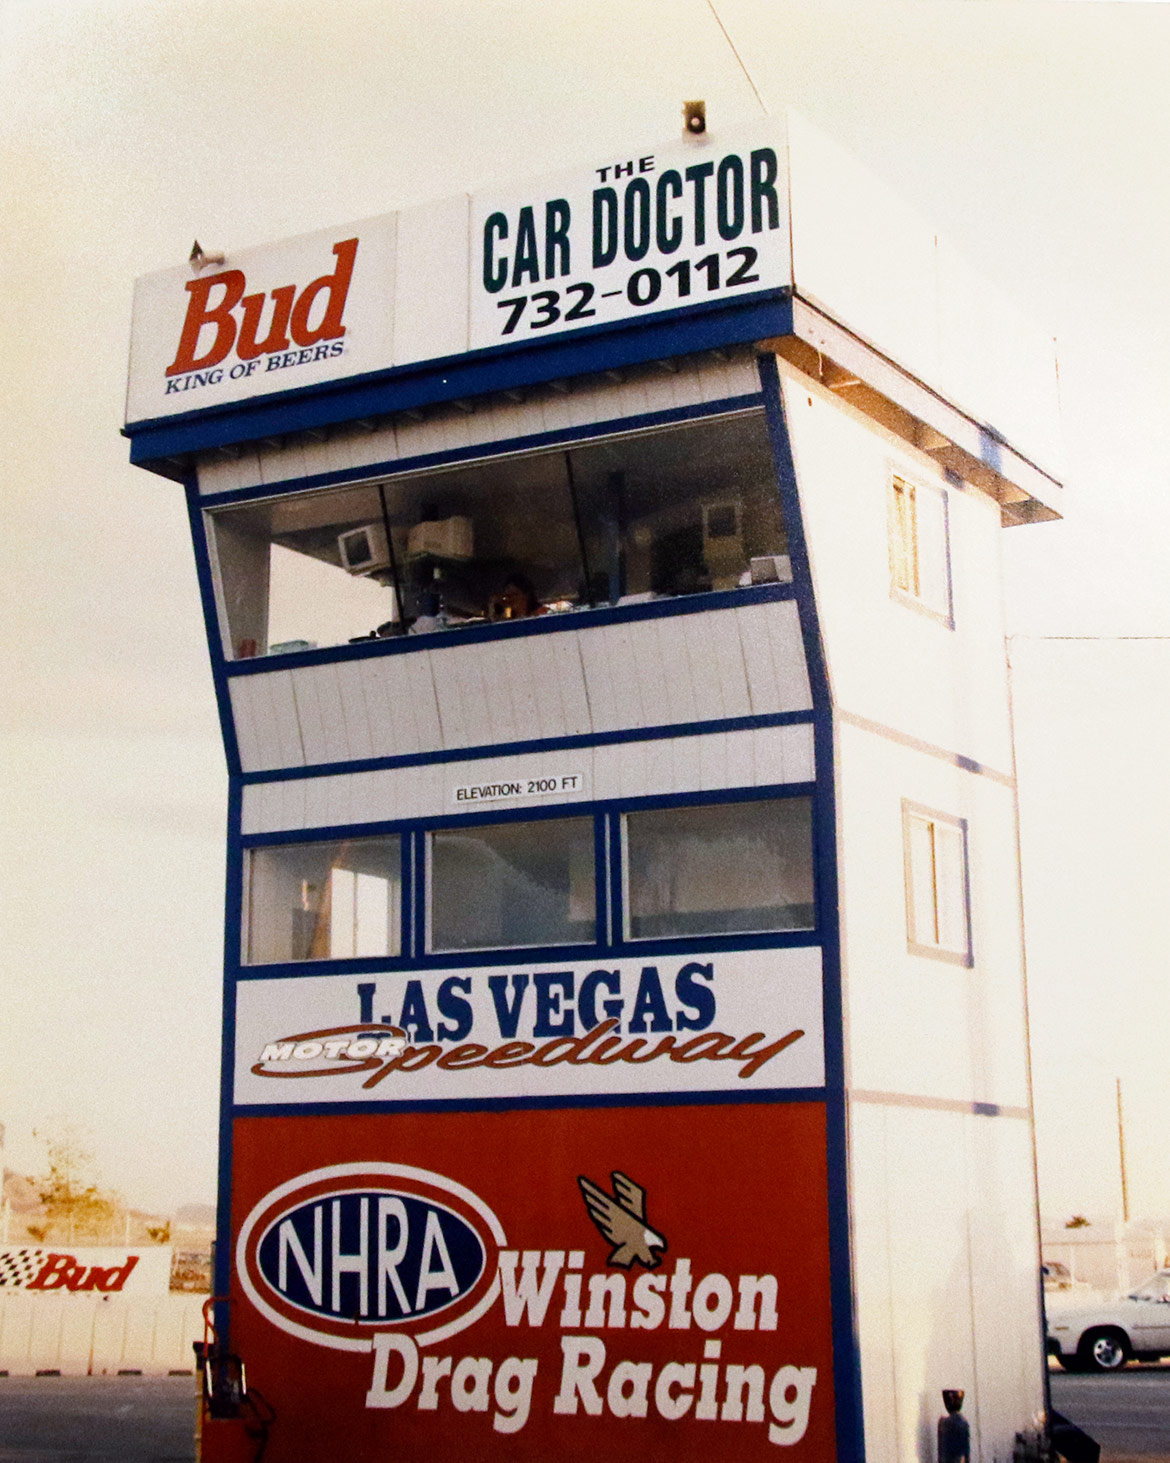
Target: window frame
933, 948
914, 598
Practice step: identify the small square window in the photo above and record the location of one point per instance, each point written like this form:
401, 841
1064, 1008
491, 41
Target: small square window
937, 888
919, 539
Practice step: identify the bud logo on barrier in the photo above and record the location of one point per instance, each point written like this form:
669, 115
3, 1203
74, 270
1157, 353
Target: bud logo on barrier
343, 1253
36, 1269
214, 302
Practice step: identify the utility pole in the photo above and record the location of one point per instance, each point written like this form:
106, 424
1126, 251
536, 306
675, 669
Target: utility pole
1121, 1153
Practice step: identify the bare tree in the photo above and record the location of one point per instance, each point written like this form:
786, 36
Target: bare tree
75, 1205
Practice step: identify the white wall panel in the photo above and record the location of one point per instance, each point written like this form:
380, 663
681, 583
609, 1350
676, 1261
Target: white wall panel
727, 663
430, 295
622, 770
242, 694
889, 661
280, 462
351, 678
873, 1300
968, 1024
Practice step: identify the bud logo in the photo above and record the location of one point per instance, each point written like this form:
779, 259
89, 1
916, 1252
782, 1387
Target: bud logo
36, 1269
326, 1053
342, 1253
215, 300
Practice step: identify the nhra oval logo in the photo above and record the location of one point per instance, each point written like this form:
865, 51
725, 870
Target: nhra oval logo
339, 1254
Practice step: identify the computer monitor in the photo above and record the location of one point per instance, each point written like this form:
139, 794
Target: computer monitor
364, 550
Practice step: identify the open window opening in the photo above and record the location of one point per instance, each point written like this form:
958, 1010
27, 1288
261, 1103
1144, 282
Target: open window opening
676, 510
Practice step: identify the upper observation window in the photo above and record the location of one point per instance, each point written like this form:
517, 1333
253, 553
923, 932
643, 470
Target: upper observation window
671, 511
920, 561
323, 901
725, 868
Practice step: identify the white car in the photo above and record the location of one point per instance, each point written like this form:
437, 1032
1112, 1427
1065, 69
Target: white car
1102, 1334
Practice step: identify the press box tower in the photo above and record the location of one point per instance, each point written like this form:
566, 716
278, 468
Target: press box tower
625, 1047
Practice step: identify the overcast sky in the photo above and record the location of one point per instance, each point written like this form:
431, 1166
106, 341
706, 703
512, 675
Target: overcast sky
1033, 133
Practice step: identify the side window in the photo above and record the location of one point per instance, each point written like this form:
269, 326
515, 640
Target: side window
509, 885
919, 539
323, 901
728, 868
937, 902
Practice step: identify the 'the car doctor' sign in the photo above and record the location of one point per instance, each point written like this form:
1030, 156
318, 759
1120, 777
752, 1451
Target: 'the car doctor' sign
665, 228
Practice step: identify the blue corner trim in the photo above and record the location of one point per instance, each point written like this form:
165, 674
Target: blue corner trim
233, 925
203, 575
578, 742
479, 452
846, 1343
474, 373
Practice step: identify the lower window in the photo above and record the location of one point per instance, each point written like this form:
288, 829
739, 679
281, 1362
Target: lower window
324, 901
728, 868
507, 885
937, 917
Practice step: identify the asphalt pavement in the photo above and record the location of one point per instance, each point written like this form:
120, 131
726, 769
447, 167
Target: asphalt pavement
97, 1419
150, 1419
1127, 1412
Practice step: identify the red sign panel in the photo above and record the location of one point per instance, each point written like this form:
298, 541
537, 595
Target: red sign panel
617, 1283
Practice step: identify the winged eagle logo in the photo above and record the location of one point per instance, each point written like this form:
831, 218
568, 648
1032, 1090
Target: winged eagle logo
621, 1218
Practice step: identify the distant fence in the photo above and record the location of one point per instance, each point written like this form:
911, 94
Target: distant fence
81, 1335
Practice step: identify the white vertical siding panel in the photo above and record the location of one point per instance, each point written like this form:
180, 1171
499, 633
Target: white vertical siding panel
770, 761
607, 772
702, 651
632, 764
316, 457
218, 474
332, 716
686, 384
757, 658
268, 730
799, 754
598, 682
312, 725
339, 795
423, 700
449, 695
740, 759
284, 717
467, 665
687, 757
316, 802
727, 655
783, 621
541, 653
522, 689
248, 467
380, 707
280, 464
250, 809
658, 390
659, 766
619, 648
681, 702
292, 802
586, 403
496, 661
712, 761
351, 678
570, 671
558, 416
648, 672
244, 720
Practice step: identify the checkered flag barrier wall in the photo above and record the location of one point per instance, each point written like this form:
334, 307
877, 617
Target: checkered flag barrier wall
19, 1266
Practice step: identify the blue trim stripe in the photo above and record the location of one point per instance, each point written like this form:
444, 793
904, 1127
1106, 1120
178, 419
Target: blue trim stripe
203, 576
846, 1343
422, 963
483, 451
582, 619
521, 1104
475, 373
233, 926
578, 742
